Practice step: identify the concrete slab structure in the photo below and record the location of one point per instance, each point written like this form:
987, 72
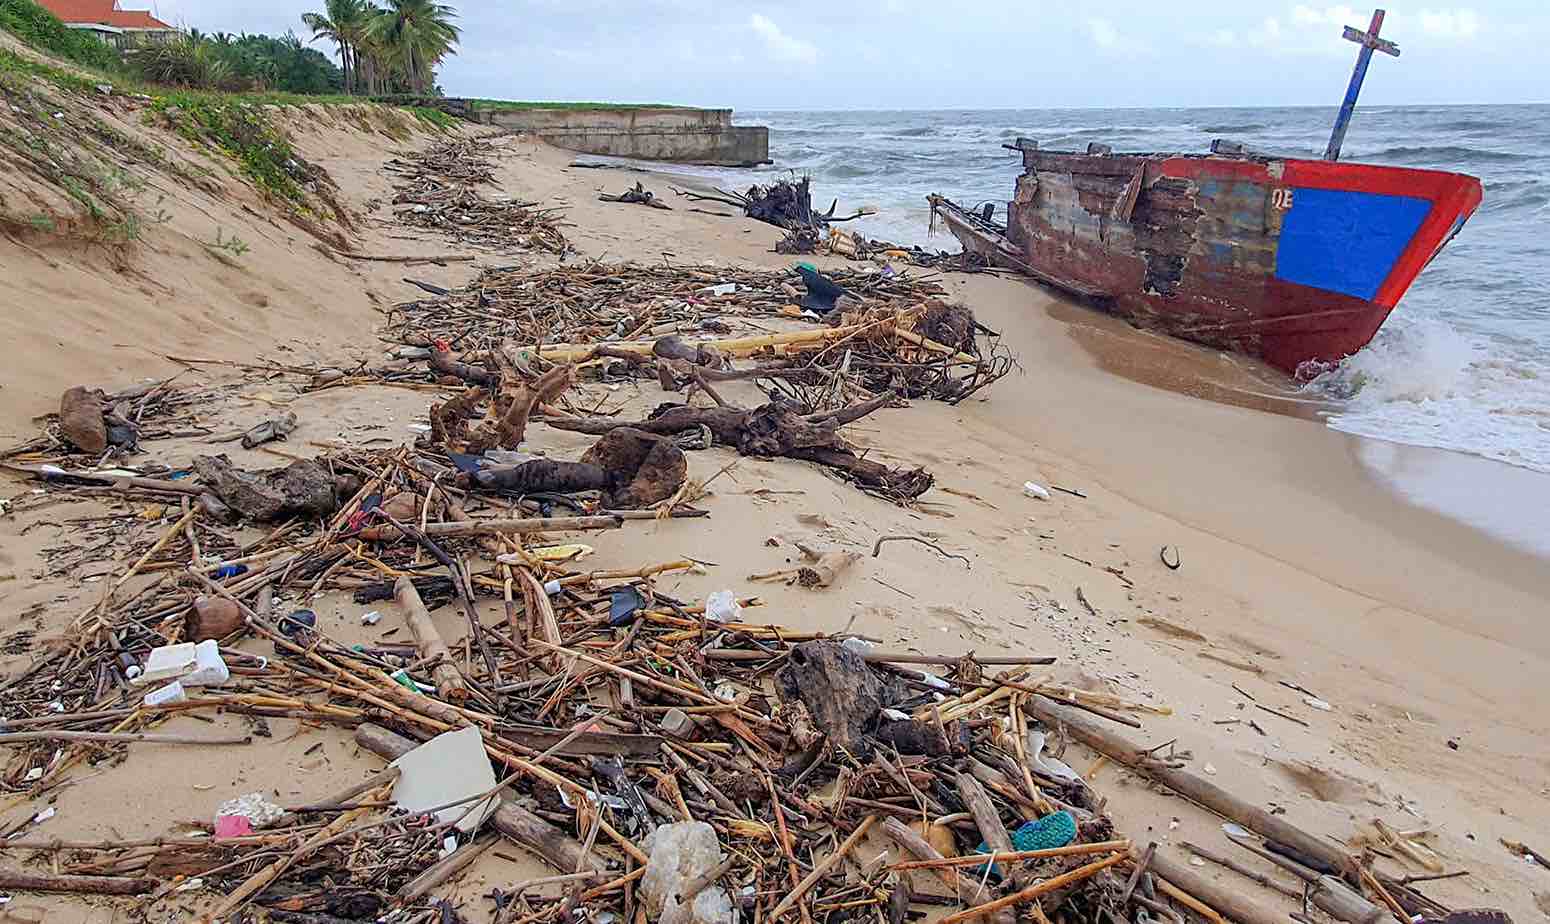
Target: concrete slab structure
685, 136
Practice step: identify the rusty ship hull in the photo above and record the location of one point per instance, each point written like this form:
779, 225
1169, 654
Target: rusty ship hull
1297, 262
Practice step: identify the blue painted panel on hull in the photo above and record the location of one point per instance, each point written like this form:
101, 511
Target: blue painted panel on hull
1346, 241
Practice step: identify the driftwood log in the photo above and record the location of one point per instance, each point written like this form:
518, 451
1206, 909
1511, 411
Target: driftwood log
442, 361
303, 488
1197, 789
786, 204
775, 429
842, 694
28, 881
640, 195
631, 467
505, 426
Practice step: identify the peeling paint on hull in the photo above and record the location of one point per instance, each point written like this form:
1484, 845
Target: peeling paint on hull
1291, 261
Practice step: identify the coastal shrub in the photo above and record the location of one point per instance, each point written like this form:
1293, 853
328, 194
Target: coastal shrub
185, 61
39, 28
243, 132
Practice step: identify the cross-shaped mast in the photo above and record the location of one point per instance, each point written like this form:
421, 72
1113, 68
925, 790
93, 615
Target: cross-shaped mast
1370, 42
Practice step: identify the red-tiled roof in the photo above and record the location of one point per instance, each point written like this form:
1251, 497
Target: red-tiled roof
135, 19
102, 11
79, 10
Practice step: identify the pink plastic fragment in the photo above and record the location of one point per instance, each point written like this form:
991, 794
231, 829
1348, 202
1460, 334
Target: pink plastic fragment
233, 826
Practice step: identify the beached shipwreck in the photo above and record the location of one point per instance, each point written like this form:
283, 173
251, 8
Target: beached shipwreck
1292, 261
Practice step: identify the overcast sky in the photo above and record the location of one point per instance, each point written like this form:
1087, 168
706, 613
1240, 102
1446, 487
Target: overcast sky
932, 54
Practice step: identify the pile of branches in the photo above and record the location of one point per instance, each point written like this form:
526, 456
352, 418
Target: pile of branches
851, 246
597, 302
439, 190
890, 333
786, 204
653, 751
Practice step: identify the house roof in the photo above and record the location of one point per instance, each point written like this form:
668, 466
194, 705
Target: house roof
136, 19
103, 12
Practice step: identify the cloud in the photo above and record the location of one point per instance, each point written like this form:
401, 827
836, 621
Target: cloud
780, 44
1339, 16
1103, 32
1461, 24
1110, 40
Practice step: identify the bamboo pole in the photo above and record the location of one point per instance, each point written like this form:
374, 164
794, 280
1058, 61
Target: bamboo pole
120, 738
743, 347
980, 859
523, 526
450, 684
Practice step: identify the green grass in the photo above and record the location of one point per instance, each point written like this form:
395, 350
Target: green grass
515, 104
42, 30
79, 152
434, 118
14, 65
240, 129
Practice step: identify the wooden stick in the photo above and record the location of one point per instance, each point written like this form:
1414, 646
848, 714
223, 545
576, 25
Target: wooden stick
895, 657
822, 869
1194, 788
979, 859
450, 684
1176, 878
1242, 870
161, 543
120, 738
117, 481
495, 527
1035, 890
986, 817
89, 885
1189, 901
967, 889
638, 678
445, 868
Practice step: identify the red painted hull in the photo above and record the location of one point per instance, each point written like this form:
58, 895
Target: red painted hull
1290, 261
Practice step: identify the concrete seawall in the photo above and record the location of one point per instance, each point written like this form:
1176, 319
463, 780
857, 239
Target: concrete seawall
685, 136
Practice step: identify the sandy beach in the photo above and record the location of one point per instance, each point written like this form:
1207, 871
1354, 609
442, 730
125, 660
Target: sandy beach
1406, 589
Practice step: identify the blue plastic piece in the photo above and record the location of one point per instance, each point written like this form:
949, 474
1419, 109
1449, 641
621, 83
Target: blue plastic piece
624, 604
1056, 829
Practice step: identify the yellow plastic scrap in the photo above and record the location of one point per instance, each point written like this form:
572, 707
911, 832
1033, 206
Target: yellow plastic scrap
569, 552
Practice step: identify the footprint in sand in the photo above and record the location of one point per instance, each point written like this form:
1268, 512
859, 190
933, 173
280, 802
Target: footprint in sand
1171, 629
1322, 784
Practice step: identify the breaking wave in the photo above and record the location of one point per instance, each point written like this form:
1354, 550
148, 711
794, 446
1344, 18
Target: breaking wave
1425, 383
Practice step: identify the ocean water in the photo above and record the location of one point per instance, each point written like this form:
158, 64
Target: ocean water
1462, 364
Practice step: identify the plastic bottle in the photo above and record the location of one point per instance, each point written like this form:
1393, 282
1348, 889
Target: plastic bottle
1035, 490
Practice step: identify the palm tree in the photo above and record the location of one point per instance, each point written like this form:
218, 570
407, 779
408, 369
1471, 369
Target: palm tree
419, 33
344, 23
369, 55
